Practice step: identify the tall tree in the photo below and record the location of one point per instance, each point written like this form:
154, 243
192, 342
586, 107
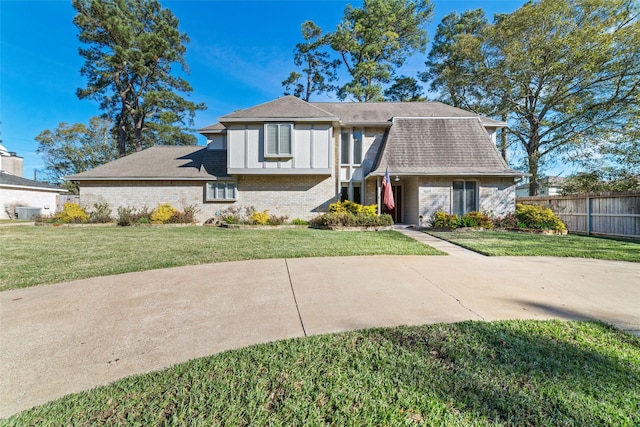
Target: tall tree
131, 47
566, 70
319, 69
453, 57
71, 149
375, 40
404, 89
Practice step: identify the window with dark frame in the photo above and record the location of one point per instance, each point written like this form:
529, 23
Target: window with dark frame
465, 197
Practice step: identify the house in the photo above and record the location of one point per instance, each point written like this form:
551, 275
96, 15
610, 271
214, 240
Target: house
22, 198
295, 158
547, 186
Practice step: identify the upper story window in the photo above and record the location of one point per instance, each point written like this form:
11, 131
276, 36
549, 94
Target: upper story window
278, 139
351, 147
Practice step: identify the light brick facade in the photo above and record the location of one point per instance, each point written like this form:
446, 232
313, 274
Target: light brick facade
291, 196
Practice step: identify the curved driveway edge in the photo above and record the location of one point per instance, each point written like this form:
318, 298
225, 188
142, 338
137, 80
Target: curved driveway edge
68, 337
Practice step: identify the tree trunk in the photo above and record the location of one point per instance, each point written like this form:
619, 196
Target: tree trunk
138, 132
533, 170
122, 136
503, 139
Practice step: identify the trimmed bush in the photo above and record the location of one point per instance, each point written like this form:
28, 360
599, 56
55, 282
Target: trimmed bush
471, 219
538, 218
72, 213
298, 221
162, 214
442, 219
346, 219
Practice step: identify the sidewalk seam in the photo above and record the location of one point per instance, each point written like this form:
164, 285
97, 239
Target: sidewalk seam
293, 292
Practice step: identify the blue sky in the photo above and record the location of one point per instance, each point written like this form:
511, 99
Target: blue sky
240, 51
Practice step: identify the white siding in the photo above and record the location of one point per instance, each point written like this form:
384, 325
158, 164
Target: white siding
10, 198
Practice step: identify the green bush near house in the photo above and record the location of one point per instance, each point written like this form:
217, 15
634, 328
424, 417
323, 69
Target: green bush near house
451, 221
538, 218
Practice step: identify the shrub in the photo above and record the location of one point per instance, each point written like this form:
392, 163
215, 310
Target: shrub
298, 221
473, 219
477, 219
538, 217
231, 219
125, 215
370, 210
237, 214
101, 213
260, 218
347, 219
507, 221
442, 219
162, 214
276, 220
129, 216
186, 216
352, 207
72, 213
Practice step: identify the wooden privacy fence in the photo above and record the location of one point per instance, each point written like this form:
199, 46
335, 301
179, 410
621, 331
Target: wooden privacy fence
607, 214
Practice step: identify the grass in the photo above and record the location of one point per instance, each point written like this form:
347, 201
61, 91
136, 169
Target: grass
508, 373
37, 255
500, 243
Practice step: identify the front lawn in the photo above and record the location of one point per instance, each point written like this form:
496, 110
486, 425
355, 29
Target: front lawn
509, 373
526, 244
32, 255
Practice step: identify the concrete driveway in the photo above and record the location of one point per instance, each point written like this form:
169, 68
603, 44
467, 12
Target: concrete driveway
68, 337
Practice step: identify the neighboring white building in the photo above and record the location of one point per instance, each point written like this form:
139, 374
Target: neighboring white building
294, 158
22, 198
548, 186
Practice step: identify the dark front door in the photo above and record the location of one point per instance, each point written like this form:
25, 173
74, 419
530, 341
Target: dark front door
396, 212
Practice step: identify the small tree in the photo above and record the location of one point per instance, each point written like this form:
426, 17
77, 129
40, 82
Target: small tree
71, 149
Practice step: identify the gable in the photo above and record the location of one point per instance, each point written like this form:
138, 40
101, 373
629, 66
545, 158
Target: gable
440, 146
286, 108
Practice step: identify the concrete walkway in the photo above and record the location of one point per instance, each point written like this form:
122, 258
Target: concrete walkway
68, 337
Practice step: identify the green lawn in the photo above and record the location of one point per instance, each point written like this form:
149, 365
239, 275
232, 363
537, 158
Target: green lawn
518, 244
32, 255
510, 373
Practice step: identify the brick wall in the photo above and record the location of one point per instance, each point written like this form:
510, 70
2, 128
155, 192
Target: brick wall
292, 196
497, 196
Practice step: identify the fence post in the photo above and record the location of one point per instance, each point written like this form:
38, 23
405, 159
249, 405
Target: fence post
589, 212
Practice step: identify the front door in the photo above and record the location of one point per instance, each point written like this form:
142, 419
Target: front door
396, 212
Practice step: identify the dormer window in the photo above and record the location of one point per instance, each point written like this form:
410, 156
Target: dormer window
278, 139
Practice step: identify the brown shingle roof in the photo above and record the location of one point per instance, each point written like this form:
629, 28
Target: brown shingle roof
162, 163
215, 128
440, 146
383, 112
288, 107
